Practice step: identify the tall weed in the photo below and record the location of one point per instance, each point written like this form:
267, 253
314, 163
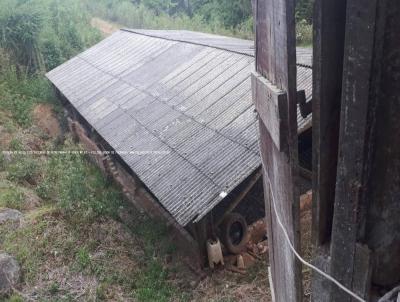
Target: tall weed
79, 188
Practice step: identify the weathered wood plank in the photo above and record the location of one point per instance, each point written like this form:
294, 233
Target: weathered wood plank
275, 60
359, 44
381, 231
362, 271
320, 286
270, 103
329, 31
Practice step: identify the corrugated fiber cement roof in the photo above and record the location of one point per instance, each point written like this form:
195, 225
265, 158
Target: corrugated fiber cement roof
178, 107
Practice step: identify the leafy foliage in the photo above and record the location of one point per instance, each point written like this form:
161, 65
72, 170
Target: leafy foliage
11, 197
18, 94
41, 34
304, 10
303, 33
232, 18
225, 17
227, 12
81, 191
23, 169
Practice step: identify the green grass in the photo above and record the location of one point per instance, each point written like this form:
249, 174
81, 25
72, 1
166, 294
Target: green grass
25, 246
153, 285
18, 95
39, 35
54, 288
81, 191
82, 258
3, 162
11, 197
139, 16
23, 169
15, 298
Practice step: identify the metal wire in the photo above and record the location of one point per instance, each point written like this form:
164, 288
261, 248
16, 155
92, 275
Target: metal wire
314, 268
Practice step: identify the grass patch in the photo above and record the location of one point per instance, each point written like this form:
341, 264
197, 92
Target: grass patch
54, 288
18, 105
154, 235
2, 162
23, 169
11, 197
14, 298
82, 258
79, 188
16, 145
153, 285
19, 95
27, 245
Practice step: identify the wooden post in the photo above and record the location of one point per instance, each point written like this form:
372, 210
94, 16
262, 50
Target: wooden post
274, 95
365, 237
329, 25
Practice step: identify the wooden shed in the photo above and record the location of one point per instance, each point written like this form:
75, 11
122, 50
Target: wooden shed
172, 113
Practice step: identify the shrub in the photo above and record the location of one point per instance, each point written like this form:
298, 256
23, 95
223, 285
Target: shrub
79, 189
152, 284
15, 298
40, 34
23, 169
21, 26
82, 258
304, 32
2, 161
15, 145
18, 105
12, 197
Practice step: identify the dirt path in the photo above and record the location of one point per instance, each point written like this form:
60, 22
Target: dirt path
106, 28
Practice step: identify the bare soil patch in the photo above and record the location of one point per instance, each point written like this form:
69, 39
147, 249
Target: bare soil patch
46, 120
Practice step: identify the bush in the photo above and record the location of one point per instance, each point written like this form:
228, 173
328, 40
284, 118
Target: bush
21, 26
15, 298
18, 95
82, 258
79, 189
40, 34
12, 197
15, 145
23, 169
2, 161
304, 33
304, 10
145, 15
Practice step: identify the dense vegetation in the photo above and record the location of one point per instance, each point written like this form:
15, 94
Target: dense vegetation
227, 17
41, 34
71, 210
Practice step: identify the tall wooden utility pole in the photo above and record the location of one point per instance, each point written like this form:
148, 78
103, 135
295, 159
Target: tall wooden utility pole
274, 95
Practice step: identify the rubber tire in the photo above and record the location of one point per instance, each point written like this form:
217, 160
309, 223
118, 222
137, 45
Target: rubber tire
226, 224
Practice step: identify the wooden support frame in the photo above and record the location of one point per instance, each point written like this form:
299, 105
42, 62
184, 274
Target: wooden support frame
329, 31
359, 204
240, 196
274, 94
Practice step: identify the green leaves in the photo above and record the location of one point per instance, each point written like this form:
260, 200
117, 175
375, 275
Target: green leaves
41, 34
21, 27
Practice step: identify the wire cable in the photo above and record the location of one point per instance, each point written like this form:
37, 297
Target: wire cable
314, 268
